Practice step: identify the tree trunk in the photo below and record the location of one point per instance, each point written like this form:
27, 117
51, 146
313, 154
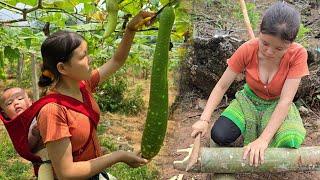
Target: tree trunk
35, 88
229, 160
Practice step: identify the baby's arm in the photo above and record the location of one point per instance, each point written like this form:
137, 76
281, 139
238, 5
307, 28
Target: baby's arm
33, 134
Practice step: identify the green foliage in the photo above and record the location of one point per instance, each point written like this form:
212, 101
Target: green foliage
302, 34
133, 103
111, 96
254, 16
10, 53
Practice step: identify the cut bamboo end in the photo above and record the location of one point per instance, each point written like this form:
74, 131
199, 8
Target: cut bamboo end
182, 165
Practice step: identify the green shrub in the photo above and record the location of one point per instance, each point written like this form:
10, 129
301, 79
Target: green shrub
133, 103
302, 34
110, 95
252, 13
114, 96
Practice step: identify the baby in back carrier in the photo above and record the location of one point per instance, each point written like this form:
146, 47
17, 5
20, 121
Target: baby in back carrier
13, 102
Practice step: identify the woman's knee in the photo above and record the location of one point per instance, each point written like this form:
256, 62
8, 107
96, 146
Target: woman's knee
224, 131
219, 136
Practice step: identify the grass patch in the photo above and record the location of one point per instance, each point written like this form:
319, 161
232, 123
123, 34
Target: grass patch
123, 171
11, 166
108, 143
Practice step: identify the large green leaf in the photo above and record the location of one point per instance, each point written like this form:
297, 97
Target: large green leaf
183, 22
132, 6
88, 7
154, 2
11, 54
28, 42
61, 4
58, 19
27, 2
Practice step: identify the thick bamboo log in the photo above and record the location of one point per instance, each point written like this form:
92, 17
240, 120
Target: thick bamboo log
229, 160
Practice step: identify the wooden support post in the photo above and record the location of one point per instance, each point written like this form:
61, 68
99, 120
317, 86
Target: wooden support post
35, 88
20, 67
246, 19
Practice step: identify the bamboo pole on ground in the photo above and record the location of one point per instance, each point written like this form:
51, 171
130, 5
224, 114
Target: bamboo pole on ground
229, 160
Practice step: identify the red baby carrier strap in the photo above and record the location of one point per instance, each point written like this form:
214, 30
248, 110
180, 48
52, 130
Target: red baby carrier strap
18, 128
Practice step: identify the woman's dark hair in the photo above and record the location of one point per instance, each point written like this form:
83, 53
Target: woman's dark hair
282, 21
58, 47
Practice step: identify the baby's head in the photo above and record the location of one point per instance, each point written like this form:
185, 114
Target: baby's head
14, 101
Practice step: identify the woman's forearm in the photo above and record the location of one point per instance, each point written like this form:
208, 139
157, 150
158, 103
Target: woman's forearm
277, 117
86, 169
213, 101
123, 49
217, 93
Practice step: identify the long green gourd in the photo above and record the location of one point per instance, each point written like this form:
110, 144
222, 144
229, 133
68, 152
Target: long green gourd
112, 19
157, 117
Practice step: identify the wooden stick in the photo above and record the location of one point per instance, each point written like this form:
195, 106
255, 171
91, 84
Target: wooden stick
194, 153
246, 19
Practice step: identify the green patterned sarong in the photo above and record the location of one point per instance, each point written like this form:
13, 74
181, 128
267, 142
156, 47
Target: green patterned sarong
252, 113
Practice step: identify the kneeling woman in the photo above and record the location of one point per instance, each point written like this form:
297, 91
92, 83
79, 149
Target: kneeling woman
263, 110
